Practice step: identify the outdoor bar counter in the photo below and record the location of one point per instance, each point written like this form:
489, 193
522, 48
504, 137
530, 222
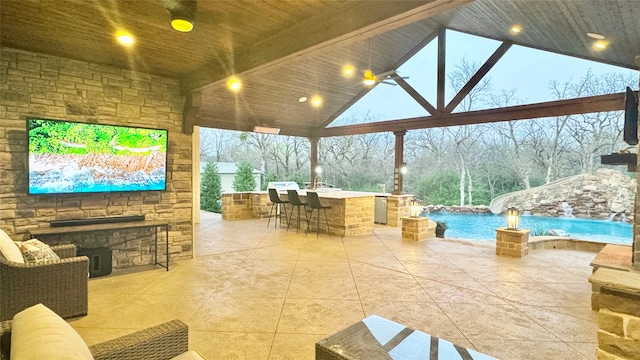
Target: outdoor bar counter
351, 213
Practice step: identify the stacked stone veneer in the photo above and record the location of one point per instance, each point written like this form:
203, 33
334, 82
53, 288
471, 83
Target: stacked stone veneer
599, 196
418, 229
619, 314
36, 85
513, 243
398, 208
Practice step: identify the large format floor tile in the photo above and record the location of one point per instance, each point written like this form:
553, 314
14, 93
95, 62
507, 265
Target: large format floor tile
264, 293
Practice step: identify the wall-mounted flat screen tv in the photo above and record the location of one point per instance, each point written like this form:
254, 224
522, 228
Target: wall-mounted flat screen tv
68, 157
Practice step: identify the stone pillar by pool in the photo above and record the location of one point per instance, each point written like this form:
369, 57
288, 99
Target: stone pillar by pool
512, 242
417, 229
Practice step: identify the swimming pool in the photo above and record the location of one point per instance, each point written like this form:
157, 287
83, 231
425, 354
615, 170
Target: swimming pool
483, 227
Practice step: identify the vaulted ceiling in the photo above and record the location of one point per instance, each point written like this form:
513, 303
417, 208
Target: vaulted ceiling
282, 50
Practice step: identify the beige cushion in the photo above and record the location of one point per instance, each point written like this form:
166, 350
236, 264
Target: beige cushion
9, 249
39, 333
35, 251
189, 355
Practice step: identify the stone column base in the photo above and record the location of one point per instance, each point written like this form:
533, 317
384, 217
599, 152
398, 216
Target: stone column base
619, 315
417, 229
512, 242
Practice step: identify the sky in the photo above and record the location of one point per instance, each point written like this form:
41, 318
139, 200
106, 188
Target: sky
525, 69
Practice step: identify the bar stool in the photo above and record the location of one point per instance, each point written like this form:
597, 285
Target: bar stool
295, 202
276, 201
314, 203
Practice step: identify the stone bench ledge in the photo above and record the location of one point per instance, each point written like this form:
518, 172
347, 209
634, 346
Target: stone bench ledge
623, 281
613, 257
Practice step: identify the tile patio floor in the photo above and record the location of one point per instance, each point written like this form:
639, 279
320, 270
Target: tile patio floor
253, 292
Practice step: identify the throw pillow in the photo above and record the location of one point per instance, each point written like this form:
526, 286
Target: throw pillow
9, 249
39, 333
35, 251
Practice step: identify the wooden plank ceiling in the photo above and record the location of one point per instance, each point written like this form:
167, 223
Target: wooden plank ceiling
285, 49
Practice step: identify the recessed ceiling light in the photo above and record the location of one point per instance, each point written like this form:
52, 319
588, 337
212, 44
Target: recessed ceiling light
348, 71
302, 99
316, 101
600, 45
595, 36
515, 29
234, 84
182, 25
124, 38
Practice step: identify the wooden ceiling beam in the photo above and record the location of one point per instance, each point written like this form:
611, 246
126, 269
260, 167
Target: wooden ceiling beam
191, 106
416, 96
399, 63
442, 52
583, 105
362, 19
224, 124
478, 76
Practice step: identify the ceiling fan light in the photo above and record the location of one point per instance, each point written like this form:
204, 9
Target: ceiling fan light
369, 78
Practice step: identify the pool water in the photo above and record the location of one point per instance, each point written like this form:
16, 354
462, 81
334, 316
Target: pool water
483, 227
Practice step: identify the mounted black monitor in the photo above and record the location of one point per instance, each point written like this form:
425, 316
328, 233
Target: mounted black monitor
67, 157
631, 117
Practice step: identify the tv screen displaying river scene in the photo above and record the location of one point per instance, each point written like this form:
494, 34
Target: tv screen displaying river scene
70, 157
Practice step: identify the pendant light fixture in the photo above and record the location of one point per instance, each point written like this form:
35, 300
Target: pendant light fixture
183, 15
369, 78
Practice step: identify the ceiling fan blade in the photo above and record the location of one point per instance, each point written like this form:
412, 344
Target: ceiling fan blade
388, 83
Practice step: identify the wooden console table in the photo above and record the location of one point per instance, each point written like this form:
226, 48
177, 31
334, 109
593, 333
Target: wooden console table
155, 224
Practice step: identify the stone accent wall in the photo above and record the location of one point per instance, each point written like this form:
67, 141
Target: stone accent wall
397, 208
36, 85
601, 195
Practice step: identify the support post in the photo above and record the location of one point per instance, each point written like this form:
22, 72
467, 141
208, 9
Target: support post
635, 246
399, 162
442, 52
314, 159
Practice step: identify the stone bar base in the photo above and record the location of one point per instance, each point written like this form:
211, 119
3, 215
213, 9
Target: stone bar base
417, 229
351, 212
245, 205
512, 242
619, 315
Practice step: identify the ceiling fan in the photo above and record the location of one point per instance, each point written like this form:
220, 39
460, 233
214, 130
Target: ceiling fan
370, 79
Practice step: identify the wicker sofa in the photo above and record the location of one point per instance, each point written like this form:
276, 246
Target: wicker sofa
160, 342
60, 285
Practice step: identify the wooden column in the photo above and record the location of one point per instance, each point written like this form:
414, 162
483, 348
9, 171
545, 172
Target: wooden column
635, 246
399, 162
442, 51
314, 159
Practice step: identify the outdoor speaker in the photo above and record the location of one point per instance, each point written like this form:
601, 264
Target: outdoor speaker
99, 260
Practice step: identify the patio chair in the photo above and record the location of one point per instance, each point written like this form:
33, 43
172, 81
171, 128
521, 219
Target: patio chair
276, 202
295, 202
314, 203
169, 340
60, 285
